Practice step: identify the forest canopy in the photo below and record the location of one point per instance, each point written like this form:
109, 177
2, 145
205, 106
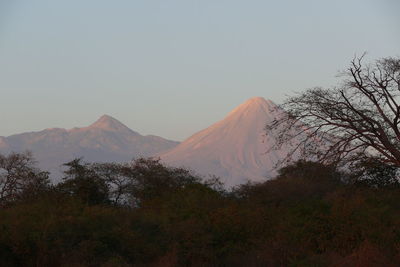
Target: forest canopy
146, 214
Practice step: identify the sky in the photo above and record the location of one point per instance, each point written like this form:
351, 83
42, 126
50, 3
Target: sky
173, 67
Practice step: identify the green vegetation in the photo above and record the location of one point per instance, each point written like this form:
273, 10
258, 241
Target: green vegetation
146, 214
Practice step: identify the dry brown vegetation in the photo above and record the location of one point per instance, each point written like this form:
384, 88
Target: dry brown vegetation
145, 214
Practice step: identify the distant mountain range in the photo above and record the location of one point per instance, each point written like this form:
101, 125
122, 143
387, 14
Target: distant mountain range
106, 140
235, 148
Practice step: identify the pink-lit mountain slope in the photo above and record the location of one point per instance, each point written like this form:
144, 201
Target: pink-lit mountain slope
236, 148
106, 140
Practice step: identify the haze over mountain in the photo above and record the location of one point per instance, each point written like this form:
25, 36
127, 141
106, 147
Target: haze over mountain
105, 140
235, 148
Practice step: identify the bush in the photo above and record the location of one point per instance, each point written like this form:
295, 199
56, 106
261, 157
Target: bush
307, 216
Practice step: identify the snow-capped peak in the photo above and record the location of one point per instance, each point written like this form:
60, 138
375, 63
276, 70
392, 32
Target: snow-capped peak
254, 105
258, 100
235, 148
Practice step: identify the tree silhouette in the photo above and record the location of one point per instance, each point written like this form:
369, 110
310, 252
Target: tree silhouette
19, 178
357, 120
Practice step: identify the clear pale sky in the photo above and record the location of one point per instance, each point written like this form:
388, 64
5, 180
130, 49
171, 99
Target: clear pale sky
173, 67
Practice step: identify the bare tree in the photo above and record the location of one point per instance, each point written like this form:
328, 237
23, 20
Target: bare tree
357, 120
19, 177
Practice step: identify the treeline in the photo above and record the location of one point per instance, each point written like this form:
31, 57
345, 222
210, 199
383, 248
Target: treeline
146, 214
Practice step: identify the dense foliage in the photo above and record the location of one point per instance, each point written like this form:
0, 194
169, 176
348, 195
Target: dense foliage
146, 214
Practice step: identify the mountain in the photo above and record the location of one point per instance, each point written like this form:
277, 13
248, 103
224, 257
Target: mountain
235, 148
105, 140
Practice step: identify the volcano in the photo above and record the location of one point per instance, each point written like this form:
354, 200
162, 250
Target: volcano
236, 149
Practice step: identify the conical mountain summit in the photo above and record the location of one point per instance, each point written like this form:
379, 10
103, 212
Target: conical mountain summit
235, 148
109, 123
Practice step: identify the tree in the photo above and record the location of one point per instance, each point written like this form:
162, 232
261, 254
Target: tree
151, 179
83, 182
375, 174
19, 178
116, 177
294, 183
127, 184
357, 120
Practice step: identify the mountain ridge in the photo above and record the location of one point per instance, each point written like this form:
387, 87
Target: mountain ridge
105, 140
